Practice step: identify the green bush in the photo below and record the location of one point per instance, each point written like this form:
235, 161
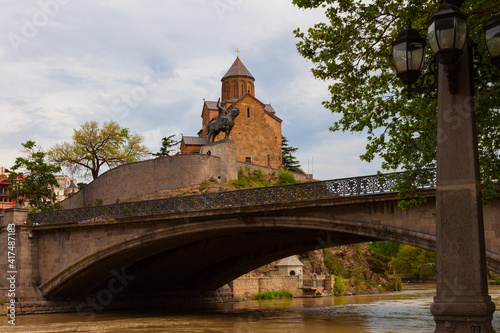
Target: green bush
395, 284
286, 178
339, 286
255, 178
272, 295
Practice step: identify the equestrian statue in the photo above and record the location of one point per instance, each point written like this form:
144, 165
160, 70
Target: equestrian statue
223, 123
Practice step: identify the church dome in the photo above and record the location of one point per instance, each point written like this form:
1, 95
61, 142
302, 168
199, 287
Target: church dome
237, 82
238, 69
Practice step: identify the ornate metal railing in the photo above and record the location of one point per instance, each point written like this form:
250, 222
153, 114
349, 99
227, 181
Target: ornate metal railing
240, 198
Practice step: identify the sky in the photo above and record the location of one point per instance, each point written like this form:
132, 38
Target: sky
148, 65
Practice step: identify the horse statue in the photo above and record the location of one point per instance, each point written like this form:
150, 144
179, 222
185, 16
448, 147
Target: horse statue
223, 123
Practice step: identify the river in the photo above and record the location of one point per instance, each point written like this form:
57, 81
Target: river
405, 311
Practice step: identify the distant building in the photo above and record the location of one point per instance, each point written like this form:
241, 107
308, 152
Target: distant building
192, 144
6, 201
67, 187
290, 266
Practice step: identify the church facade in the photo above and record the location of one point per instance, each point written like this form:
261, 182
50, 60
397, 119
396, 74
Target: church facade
257, 129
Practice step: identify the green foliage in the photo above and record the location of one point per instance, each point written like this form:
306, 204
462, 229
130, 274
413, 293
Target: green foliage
377, 265
273, 295
255, 178
94, 147
395, 284
339, 286
359, 246
352, 49
289, 162
98, 202
36, 177
166, 146
333, 264
286, 178
415, 261
386, 248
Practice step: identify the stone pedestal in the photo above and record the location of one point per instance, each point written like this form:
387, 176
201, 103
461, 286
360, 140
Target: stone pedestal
226, 151
462, 303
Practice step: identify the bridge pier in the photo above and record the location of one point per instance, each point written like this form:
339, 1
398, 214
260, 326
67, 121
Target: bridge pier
19, 260
462, 303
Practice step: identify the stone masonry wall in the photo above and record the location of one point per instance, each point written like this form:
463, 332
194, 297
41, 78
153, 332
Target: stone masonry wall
245, 287
130, 180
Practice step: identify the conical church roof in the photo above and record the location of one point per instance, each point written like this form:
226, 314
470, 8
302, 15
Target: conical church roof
290, 261
238, 69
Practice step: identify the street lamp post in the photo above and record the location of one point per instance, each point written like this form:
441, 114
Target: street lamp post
462, 302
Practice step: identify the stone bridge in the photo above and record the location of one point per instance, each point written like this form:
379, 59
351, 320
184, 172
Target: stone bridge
143, 250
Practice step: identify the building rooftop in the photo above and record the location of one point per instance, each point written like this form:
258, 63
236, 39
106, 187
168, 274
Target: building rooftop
194, 140
238, 69
290, 261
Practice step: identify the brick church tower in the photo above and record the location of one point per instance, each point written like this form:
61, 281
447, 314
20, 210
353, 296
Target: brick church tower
257, 129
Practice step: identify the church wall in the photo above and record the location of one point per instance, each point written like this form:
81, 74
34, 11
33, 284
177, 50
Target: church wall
254, 137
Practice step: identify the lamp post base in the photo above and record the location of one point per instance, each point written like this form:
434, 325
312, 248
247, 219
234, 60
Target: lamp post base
460, 314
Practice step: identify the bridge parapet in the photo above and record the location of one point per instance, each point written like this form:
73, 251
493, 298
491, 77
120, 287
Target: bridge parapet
355, 186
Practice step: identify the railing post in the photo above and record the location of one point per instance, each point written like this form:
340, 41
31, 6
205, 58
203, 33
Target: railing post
205, 198
315, 190
239, 198
275, 193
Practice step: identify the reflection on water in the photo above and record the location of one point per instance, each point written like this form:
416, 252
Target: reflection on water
406, 311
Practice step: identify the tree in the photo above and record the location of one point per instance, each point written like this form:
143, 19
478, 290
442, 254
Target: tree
289, 162
36, 178
386, 248
94, 147
353, 49
166, 146
415, 261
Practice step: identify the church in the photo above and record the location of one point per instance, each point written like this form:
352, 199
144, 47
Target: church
257, 129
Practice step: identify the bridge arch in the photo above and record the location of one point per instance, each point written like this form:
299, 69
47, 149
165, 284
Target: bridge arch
206, 255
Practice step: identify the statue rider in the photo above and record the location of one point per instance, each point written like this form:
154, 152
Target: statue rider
222, 112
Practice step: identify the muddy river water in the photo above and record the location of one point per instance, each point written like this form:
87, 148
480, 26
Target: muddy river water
406, 311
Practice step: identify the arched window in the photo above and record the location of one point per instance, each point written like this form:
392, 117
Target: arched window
234, 91
248, 112
292, 272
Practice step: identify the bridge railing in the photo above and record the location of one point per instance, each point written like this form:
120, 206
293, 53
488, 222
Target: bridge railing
239, 198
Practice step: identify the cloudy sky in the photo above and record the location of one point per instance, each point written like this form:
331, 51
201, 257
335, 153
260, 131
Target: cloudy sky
148, 64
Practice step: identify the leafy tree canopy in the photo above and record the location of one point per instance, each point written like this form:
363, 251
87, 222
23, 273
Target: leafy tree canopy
289, 162
94, 147
36, 178
415, 261
352, 50
166, 146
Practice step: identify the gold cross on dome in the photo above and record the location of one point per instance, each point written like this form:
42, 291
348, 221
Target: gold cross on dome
237, 53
